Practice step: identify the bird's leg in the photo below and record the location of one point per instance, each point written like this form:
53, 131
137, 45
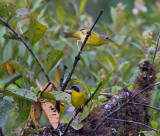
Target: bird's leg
74, 113
78, 45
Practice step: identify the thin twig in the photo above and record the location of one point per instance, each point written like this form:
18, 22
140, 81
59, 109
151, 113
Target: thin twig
155, 52
130, 121
43, 89
64, 133
62, 77
157, 109
29, 49
77, 58
97, 127
60, 87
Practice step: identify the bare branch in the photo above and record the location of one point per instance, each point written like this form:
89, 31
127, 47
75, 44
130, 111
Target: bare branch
43, 89
157, 109
62, 77
108, 95
130, 121
29, 49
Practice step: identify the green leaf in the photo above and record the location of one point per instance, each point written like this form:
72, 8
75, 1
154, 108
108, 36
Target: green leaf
22, 11
10, 80
10, 35
122, 18
7, 10
138, 34
113, 14
23, 62
154, 124
82, 5
2, 69
21, 118
8, 125
86, 88
35, 31
149, 133
22, 93
106, 61
112, 60
52, 58
136, 45
26, 74
5, 108
43, 121
103, 84
59, 96
61, 14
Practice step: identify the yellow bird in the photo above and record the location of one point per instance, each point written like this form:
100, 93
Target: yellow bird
95, 39
77, 98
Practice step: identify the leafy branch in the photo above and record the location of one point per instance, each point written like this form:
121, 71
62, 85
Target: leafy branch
30, 50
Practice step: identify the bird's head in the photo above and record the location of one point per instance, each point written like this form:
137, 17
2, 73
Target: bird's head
106, 38
75, 88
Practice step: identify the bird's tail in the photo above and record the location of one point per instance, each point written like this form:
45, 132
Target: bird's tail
69, 34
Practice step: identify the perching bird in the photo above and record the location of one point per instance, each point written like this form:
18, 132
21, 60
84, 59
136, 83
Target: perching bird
78, 98
95, 39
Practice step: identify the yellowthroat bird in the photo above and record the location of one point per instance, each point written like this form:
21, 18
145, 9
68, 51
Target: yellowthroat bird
77, 98
95, 39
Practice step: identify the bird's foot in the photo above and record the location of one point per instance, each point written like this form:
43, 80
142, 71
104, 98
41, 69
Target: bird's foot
74, 115
78, 46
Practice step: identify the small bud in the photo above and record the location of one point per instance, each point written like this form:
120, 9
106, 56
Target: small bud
151, 50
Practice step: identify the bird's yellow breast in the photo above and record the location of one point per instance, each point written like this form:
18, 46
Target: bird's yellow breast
78, 99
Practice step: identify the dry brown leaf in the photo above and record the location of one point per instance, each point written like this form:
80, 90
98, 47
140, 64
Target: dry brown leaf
50, 112
10, 68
